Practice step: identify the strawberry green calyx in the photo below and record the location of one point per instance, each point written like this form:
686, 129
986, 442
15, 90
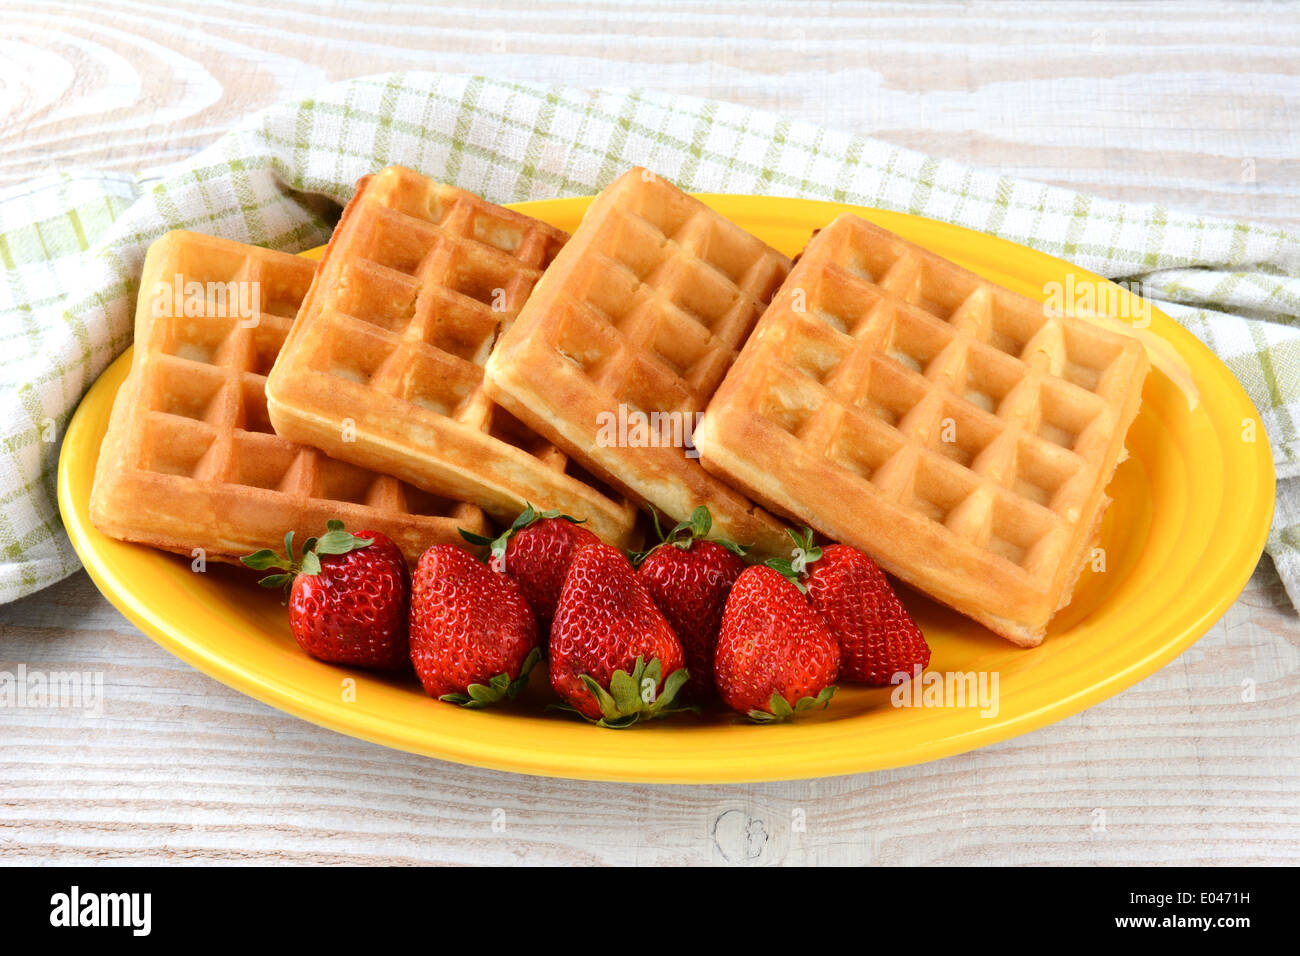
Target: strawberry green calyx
497, 546
782, 711
335, 540
497, 689
631, 697
804, 553
685, 533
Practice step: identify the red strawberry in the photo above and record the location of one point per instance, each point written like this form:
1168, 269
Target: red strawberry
775, 656
348, 596
473, 636
614, 659
877, 637
689, 579
535, 551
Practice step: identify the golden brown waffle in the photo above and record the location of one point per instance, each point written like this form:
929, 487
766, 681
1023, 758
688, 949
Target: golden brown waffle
189, 460
385, 364
642, 312
950, 428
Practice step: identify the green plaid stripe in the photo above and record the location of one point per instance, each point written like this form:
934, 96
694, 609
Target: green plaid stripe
275, 182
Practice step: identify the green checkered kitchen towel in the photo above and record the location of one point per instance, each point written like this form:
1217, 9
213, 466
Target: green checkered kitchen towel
72, 245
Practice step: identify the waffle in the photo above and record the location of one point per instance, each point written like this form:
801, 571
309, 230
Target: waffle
385, 364
952, 429
641, 314
189, 459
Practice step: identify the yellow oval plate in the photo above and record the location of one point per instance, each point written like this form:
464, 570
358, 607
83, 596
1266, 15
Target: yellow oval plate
1191, 512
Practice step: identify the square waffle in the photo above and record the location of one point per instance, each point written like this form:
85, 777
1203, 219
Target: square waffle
189, 459
384, 365
642, 312
952, 429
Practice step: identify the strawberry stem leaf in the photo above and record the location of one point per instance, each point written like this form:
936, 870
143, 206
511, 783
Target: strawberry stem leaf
499, 688
261, 560
338, 541
335, 541
530, 515
636, 696
785, 568
686, 533
779, 709
654, 516
802, 555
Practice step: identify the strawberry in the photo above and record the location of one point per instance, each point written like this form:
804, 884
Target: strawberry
473, 636
689, 578
614, 659
877, 637
775, 656
347, 594
535, 551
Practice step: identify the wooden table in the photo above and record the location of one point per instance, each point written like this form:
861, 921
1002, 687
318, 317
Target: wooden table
1195, 106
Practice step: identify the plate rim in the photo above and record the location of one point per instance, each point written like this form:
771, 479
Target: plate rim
460, 750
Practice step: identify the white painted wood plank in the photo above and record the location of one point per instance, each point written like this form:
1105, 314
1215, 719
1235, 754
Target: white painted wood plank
1194, 108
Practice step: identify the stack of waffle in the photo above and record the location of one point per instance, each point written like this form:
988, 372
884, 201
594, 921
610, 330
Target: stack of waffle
451, 361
